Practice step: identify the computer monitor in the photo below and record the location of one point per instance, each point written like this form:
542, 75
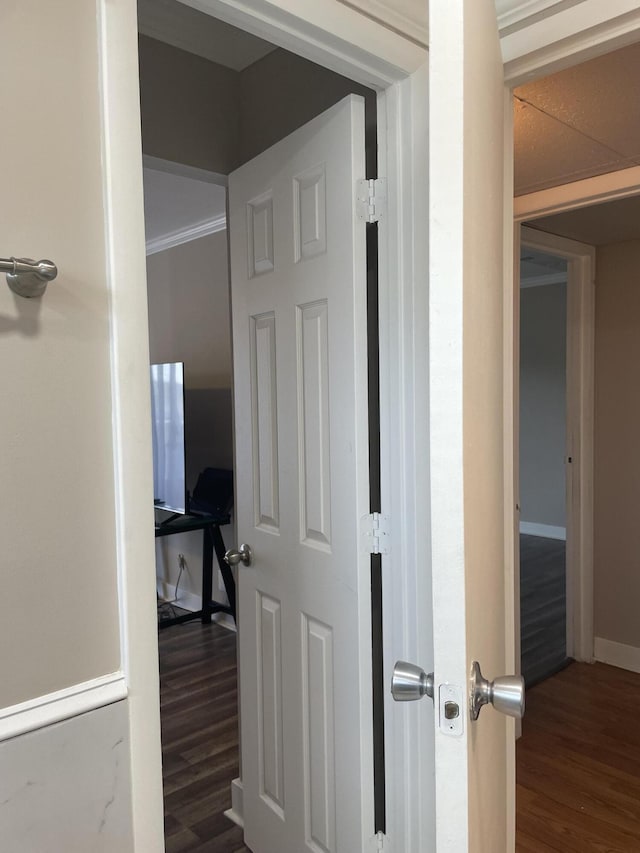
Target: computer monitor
167, 419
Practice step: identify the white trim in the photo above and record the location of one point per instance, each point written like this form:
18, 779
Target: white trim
328, 33
236, 812
518, 16
181, 170
186, 600
225, 620
404, 422
580, 427
62, 705
383, 11
546, 531
543, 280
511, 345
185, 235
370, 54
564, 38
617, 654
133, 470
614, 185
192, 602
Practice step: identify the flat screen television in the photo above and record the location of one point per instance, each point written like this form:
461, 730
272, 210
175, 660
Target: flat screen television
167, 419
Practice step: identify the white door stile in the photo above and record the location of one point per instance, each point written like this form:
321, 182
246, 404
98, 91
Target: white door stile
126, 271
404, 430
473, 780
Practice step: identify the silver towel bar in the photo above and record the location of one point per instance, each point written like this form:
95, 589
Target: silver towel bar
26, 277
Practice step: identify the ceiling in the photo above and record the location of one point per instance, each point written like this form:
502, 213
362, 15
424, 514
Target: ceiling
181, 26
575, 124
598, 225
540, 268
578, 123
178, 209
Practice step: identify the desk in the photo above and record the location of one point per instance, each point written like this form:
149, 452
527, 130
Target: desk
211, 539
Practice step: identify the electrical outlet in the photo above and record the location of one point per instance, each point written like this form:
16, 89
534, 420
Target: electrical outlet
181, 561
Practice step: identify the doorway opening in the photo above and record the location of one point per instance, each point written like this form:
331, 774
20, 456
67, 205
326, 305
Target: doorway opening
202, 118
587, 219
543, 456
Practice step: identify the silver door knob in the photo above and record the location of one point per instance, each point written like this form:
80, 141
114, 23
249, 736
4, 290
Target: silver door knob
409, 682
506, 693
242, 555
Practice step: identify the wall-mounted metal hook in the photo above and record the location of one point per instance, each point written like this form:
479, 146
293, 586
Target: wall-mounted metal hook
26, 277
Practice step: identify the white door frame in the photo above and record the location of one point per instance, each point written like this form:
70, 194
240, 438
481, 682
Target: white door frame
579, 431
552, 42
350, 43
580, 379
386, 65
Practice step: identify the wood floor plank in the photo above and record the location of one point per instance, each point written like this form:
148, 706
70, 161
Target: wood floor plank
578, 764
578, 780
199, 716
542, 607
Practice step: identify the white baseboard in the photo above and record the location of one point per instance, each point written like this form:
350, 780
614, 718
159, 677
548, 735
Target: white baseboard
225, 620
187, 600
236, 812
617, 654
62, 705
547, 531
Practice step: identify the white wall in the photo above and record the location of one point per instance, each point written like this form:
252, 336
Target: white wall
41, 808
617, 449
57, 523
543, 336
189, 107
189, 321
64, 786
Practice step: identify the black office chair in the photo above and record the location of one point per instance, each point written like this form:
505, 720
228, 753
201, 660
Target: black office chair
213, 494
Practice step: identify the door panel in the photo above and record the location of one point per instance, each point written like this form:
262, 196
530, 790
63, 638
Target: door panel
298, 259
474, 796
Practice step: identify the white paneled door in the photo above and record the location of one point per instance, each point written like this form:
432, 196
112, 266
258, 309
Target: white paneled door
298, 260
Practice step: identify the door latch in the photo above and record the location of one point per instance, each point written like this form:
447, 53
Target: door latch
410, 682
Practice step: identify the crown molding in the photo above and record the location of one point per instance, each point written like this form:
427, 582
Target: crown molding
565, 34
412, 25
185, 235
521, 14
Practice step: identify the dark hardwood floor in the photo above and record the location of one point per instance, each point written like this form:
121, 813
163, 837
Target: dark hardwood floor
578, 763
198, 703
543, 607
578, 781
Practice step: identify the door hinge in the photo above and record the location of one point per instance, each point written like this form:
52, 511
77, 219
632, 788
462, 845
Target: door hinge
371, 198
376, 533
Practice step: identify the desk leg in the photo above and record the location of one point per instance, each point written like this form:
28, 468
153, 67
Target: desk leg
225, 570
207, 573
